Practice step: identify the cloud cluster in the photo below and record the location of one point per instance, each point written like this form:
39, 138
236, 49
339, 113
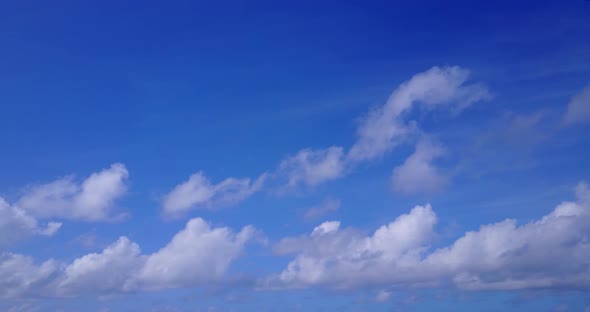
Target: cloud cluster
312, 167
386, 126
91, 200
379, 132
197, 255
199, 192
552, 252
21, 276
17, 225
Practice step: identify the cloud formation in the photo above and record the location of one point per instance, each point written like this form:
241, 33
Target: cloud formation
379, 132
551, 252
197, 255
312, 167
91, 200
16, 225
384, 127
578, 109
199, 192
22, 277
418, 174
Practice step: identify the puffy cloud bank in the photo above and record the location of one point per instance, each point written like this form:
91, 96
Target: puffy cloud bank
551, 252
197, 255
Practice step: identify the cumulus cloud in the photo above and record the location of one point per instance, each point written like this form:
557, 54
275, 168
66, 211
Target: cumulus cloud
197, 255
17, 225
311, 167
551, 252
346, 258
114, 269
384, 127
20, 276
578, 109
199, 192
418, 174
320, 210
91, 200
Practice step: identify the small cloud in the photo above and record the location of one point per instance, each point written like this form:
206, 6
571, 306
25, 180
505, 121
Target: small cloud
327, 206
383, 295
199, 192
52, 228
312, 167
578, 109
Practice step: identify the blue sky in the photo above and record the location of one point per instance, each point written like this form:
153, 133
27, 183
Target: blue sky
257, 156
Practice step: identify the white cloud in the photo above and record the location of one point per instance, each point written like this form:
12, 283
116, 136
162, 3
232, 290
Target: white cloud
17, 225
91, 200
384, 127
312, 167
382, 296
325, 207
197, 255
578, 109
199, 192
114, 269
325, 228
417, 174
346, 258
551, 252
19, 275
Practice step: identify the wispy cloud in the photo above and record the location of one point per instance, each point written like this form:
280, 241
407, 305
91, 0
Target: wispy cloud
325, 207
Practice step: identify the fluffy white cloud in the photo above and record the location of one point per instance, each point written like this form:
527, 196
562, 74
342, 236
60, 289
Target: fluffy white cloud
199, 192
197, 255
114, 269
325, 207
16, 225
312, 167
347, 258
417, 174
91, 200
384, 127
578, 109
550, 252
20, 276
